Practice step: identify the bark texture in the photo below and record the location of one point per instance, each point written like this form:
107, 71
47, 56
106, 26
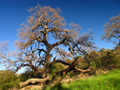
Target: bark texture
33, 81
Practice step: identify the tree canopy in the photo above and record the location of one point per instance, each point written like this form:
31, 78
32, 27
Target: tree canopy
41, 37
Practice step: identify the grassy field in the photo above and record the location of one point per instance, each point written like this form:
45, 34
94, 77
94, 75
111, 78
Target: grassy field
109, 81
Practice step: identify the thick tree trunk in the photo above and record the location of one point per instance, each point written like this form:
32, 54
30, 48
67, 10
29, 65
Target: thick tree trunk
33, 81
45, 69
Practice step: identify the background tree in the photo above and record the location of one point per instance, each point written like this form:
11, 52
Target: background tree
112, 29
42, 36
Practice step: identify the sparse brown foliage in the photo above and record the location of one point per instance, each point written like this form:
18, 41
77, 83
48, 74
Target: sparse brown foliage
42, 37
112, 29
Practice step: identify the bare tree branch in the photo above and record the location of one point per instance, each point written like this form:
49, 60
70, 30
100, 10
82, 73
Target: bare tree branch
112, 29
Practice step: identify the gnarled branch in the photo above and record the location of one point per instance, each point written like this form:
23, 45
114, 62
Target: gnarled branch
33, 80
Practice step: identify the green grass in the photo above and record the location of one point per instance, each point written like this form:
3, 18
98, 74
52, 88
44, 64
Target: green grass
109, 81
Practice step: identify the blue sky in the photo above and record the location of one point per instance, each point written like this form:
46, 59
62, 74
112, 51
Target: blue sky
89, 14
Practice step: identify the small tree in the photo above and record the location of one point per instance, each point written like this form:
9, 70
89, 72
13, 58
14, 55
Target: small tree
112, 29
43, 36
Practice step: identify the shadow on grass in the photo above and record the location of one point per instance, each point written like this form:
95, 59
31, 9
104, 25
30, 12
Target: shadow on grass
59, 87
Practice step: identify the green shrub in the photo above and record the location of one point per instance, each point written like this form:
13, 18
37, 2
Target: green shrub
102, 59
27, 75
110, 59
55, 68
72, 73
8, 80
82, 64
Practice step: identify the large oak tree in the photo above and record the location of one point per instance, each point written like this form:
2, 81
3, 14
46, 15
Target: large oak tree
43, 36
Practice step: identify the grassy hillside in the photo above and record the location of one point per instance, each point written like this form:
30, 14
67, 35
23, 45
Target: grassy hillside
109, 81
8, 80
